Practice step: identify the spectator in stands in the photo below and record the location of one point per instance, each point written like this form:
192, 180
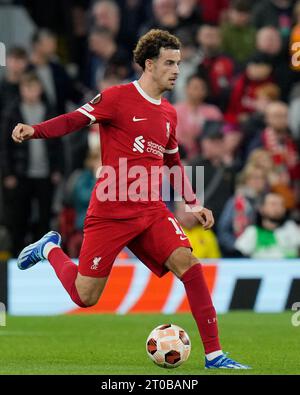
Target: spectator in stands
193, 113
106, 15
204, 243
218, 179
58, 86
294, 118
240, 210
244, 93
215, 66
164, 16
16, 64
270, 43
255, 123
232, 142
190, 58
213, 11
276, 138
189, 15
237, 32
273, 236
30, 170
278, 181
104, 52
133, 13
276, 13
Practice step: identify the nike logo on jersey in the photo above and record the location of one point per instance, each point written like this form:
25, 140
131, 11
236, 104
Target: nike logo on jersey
135, 119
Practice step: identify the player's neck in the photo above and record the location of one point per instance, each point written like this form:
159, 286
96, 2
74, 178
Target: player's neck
150, 87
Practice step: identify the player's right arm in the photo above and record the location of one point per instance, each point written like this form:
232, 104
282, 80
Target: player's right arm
103, 108
55, 127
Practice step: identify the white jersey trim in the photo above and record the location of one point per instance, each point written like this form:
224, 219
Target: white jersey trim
145, 95
171, 151
92, 118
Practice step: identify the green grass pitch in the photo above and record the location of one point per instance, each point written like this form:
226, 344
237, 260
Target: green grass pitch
111, 344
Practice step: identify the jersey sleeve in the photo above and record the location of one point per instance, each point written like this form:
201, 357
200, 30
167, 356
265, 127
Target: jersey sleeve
103, 108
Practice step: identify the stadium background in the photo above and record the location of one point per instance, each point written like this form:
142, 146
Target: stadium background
237, 115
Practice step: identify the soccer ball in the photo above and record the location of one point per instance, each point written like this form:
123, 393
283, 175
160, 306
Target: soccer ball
168, 346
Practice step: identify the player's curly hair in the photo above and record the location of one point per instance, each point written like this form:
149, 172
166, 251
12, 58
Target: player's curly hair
149, 45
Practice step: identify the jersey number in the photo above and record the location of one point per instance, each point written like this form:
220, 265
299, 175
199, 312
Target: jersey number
177, 227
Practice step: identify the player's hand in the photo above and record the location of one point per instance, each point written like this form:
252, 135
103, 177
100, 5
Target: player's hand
205, 217
22, 132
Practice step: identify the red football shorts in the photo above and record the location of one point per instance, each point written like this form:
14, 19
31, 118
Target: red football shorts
152, 238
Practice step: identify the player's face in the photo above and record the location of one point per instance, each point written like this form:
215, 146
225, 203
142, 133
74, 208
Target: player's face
166, 69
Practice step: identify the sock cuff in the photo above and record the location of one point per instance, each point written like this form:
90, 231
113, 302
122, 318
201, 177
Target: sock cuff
49, 247
191, 273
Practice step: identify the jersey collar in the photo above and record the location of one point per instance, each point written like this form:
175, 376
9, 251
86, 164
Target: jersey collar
144, 94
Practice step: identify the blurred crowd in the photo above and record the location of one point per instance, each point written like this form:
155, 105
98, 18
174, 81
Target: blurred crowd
237, 100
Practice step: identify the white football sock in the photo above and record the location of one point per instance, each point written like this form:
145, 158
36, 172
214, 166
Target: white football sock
48, 247
213, 355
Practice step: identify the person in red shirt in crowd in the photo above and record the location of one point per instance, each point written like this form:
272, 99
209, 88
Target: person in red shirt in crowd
277, 140
213, 11
243, 97
215, 66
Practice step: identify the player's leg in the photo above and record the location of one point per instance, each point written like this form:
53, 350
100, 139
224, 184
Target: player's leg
187, 268
163, 246
103, 240
48, 247
90, 289
85, 291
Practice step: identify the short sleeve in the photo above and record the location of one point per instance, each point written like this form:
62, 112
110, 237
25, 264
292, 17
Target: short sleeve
103, 107
172, 145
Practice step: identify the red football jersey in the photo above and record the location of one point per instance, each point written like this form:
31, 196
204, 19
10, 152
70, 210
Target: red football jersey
135, 130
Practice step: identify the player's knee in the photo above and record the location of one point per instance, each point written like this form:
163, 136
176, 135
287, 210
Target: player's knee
89, 289
88, 295
180, 261
89, 299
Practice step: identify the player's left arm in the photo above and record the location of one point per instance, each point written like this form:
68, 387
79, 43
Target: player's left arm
172, 158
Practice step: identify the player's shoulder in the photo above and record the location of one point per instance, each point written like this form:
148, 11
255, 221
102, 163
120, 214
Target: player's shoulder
114, 91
